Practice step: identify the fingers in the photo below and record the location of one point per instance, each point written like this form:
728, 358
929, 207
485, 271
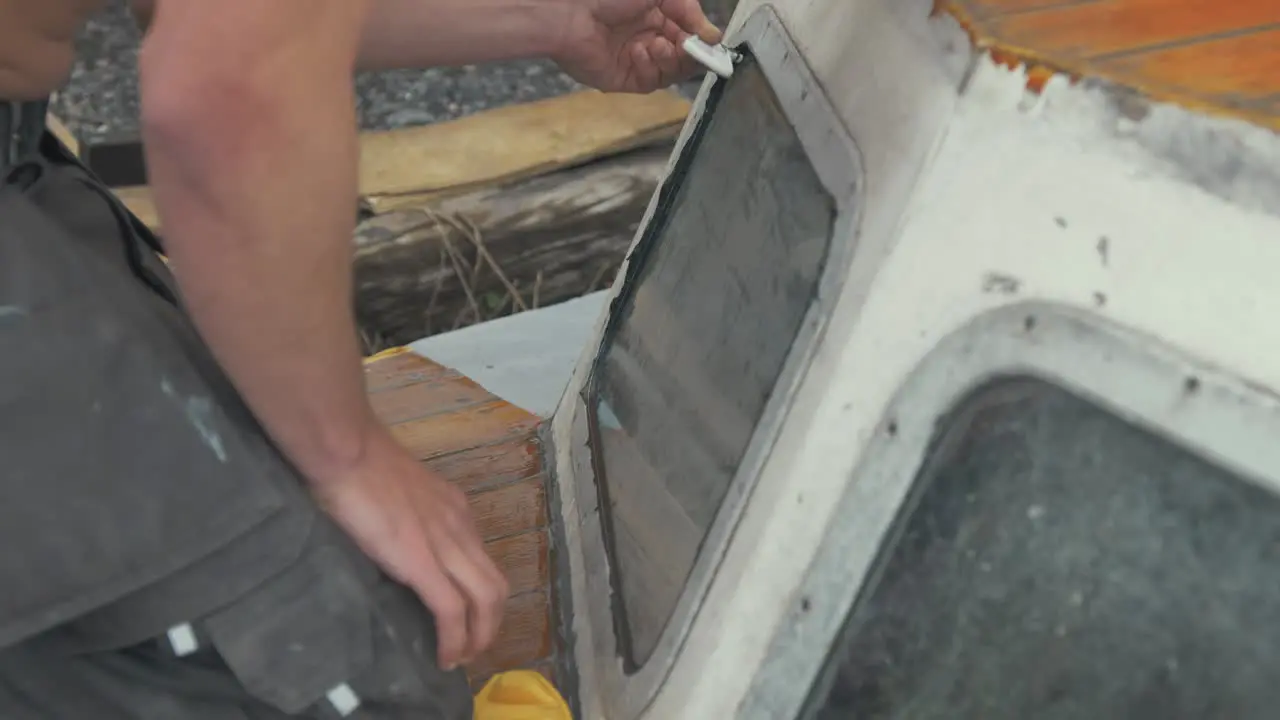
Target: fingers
666, 60
489, 591
645, 75
690, 18
447, 604
460, 583
479, 579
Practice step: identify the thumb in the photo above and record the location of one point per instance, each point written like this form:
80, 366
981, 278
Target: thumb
710, 34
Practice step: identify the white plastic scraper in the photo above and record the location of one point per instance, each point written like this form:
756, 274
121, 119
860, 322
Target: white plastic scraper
717, 58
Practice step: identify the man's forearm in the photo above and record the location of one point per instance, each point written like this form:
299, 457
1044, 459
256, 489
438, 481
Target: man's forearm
435, 33
254, 178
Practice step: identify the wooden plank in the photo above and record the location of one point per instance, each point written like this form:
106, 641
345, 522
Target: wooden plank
524, 639
416, 400
993, 8
1221, 59
1103, 28
510, 509
398, 367
512, 143
138, 200
63, 133
545, 668
405, 167
479, 468
1230, 70
490, 451
523, 559
484, 425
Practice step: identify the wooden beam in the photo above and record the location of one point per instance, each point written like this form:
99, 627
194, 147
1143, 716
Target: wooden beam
408, 167
405, 167
64, 134
138, 200
490, 451
457, 260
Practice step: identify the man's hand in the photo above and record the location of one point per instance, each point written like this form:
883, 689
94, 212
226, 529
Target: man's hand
632, 45
419, 529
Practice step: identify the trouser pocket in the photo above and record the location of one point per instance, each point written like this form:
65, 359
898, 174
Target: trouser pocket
334, 635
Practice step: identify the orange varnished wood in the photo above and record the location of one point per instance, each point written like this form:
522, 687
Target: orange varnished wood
490, 465
510, 509
986, 8
526, 636
543, 668
1207, 55
525, 560
398, 368
489, 449
1234, 70
433, 397
485, 424
1102, 28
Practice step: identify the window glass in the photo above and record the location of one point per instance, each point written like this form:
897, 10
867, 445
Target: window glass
1056, 562
721, 286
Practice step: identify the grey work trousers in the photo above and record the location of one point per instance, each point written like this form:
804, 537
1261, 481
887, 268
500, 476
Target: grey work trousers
159, 558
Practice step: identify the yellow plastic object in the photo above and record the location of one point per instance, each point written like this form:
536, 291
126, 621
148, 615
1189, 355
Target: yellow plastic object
520, 695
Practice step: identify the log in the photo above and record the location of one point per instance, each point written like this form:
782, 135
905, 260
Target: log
468, 258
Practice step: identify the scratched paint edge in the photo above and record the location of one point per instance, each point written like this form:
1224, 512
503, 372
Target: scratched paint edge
1041, 68
1228, 158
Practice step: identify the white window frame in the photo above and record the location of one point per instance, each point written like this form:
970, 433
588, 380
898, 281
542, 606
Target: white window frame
1216, 415
838, 165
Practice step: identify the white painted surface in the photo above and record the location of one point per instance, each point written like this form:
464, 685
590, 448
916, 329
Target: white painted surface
525, 359
970, 178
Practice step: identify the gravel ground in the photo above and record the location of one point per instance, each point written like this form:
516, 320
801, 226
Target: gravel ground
101, 101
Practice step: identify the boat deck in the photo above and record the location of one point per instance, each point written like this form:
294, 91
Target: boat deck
1218, 57
489, 448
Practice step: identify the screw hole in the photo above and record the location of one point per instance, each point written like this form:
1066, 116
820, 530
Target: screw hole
1191, 385
805, 605
892, 428
1029, 323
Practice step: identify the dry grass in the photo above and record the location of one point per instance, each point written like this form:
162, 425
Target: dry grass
464, 252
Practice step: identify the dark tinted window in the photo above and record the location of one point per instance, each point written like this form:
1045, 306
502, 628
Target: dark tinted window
719, 291
1055, 562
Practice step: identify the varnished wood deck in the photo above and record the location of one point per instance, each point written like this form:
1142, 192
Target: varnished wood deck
488, 448
1221, 57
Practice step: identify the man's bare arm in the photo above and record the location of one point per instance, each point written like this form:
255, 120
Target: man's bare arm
438, 33
250, 130
249, 124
